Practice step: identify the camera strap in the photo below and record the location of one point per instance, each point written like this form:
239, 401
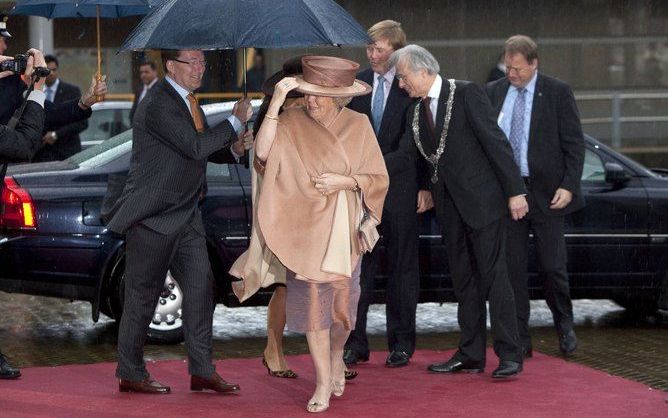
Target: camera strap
12, 125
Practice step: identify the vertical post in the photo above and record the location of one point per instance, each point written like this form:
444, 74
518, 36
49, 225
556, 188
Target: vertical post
41, 34
616, 120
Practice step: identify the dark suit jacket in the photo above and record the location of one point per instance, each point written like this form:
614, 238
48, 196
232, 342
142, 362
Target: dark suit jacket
556, 143
11, 89
168, 165
21, 143
68, 142
477, 167
403, 174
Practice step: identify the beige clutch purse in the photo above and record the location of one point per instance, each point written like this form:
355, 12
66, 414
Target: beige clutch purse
368, 231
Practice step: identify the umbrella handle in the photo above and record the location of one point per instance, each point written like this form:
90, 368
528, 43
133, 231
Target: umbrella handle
98, 75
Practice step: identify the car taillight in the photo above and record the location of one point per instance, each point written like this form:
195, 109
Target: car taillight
18, 209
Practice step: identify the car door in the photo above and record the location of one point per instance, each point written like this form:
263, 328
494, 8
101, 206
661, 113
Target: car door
225, 213
608, 239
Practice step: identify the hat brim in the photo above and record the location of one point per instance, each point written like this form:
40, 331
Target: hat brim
270, 83
358, 88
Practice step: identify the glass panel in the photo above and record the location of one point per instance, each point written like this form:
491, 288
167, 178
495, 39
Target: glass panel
593, 167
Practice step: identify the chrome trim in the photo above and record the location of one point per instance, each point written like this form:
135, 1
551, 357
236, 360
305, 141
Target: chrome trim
606, 235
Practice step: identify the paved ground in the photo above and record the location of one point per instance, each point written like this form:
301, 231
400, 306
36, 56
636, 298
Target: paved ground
36, 331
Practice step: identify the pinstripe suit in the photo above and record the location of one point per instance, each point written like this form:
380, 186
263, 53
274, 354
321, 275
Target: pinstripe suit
159, 214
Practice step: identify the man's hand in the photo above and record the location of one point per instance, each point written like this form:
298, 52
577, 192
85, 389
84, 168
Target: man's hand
95, 92
561, 199
4, 74
35, 59
518, 207
244, 143
243, 110
424, 201
49, 138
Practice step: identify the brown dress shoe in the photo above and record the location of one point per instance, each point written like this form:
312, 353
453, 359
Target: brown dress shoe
147, 385
214, 383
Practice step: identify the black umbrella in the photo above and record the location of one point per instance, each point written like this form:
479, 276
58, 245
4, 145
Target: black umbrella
231, 24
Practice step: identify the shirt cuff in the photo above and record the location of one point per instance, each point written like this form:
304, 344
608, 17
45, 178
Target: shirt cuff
236, 156
38, 97
236, 124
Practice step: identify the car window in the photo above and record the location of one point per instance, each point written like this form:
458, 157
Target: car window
217, 171
104, 152
105, 123
593, 169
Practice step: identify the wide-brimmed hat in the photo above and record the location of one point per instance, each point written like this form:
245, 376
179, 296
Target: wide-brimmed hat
291, 67
330, 76
3, 26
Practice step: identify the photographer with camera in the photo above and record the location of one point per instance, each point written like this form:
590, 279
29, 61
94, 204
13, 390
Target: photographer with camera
22, 142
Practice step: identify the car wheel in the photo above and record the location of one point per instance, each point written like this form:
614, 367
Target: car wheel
166, 326
167, 323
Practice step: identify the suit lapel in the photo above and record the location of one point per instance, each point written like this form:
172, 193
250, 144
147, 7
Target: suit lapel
500, 93
440, 111
391, 107
164, 84
367, 77
536, 109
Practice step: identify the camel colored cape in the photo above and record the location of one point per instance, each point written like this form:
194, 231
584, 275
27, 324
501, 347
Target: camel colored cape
313, 235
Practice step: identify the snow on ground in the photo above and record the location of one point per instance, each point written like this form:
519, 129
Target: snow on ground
232, 323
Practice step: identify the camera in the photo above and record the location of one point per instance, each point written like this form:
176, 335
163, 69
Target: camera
17, 65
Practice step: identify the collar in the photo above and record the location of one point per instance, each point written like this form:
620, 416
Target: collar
151, 84
388, 76
530, 88
435, 90
180, 90
54, 86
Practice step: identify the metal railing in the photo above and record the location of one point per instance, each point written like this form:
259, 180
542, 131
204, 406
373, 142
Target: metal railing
616, 118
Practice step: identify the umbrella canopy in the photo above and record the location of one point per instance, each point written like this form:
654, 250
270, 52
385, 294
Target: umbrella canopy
54, 9
230, 24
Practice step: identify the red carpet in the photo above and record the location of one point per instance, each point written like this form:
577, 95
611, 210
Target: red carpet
549, 387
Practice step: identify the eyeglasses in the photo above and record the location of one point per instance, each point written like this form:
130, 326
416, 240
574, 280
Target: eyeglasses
517, 70
193, 62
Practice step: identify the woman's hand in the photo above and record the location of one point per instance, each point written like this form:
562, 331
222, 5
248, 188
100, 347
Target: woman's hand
281, 91
328, 183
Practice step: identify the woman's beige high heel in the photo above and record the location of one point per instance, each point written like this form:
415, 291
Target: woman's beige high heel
317, 406
338, 388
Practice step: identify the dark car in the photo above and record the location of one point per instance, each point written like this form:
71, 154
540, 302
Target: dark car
53, 242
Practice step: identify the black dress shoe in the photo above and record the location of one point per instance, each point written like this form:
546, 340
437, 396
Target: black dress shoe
147, 385
397, 359
527, 352
507, 369
6, 369
351, 357
455, 366
568, 342
214, 383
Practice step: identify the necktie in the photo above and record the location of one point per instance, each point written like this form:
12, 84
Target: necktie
426, 104
517, 125
378, 104
194, 110
49, 94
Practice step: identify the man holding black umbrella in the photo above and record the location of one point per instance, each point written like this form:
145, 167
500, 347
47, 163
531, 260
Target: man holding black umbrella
159, 213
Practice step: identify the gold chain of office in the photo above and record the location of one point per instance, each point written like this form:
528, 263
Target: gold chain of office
434, 158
